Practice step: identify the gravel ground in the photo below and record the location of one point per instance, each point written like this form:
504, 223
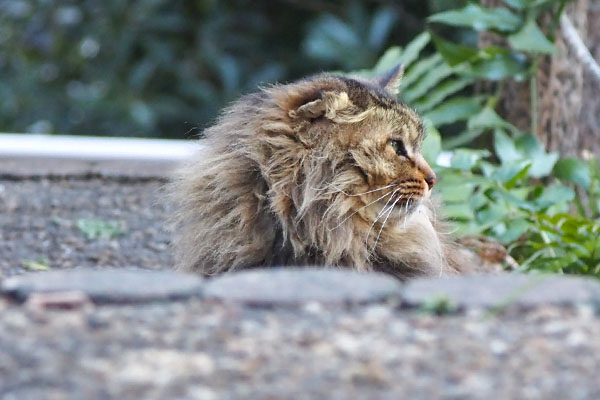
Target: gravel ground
199, 349
38, 220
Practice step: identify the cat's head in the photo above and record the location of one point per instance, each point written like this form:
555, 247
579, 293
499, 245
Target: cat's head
372, 140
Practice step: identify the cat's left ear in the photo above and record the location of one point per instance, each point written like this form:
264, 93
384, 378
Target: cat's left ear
390, 80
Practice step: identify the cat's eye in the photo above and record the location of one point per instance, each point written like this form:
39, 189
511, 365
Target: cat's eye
398, 147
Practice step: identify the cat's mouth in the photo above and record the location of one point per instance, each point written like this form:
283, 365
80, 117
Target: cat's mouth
394, 201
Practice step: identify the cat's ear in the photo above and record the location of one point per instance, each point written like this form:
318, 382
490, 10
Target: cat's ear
390, 79
328, 105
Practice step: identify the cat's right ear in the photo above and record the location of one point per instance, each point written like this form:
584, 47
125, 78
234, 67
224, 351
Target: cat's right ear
390, 79
329, 105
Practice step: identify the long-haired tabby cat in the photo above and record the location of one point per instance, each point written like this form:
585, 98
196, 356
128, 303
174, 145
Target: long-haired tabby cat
324, 171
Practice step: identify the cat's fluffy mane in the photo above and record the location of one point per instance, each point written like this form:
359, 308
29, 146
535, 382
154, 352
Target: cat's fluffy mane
272, 185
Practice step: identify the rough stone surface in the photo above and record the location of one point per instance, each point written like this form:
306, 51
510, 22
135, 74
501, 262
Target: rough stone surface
106, 285
205, 350
296, 286
505, 290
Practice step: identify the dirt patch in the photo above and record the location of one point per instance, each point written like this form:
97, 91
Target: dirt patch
98, 222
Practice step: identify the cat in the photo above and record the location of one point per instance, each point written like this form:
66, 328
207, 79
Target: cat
325, 171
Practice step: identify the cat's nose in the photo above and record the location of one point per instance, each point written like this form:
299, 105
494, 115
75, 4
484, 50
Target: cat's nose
430, 179
426, 171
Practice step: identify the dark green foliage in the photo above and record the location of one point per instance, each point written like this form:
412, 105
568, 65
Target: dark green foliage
167, 67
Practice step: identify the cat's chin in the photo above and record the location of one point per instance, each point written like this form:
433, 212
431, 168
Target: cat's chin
400, 211
407, 209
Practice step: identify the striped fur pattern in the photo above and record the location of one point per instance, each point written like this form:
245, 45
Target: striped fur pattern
325, 171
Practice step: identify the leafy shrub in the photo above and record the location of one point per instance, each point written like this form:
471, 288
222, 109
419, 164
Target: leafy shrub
545, 210
522, 203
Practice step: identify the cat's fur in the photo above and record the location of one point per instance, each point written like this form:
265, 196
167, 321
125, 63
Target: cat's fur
305, 174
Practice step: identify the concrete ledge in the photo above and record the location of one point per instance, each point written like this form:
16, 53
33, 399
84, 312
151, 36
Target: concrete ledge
37, 156
93, 148
15, 168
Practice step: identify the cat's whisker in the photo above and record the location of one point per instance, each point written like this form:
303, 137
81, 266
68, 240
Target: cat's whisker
406, 212
360, 194
380, 214
384, 222
391, 210
451, 232
433, 211
357, 211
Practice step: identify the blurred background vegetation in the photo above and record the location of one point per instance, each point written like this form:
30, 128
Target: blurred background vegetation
164, 68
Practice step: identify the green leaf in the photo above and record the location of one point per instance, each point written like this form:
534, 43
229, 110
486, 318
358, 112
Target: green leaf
389, 59
537, 3
514, 230
518, 4
511, 173
477, 200
381, 25
438, 305
466, 159
456, 109
413, 49
491, 214
529, 145
453, 53
511, 183
531, 39
419, 69
458, 211
499, 193
454, 193
543, 162
461, 139
505, 147
39, 265
489, 119
429, 80
480, 18
441, 92
499, 66
553, 194
97, 228
432, 145
573, 170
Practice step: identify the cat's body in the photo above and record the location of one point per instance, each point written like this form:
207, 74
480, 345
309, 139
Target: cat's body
325, 171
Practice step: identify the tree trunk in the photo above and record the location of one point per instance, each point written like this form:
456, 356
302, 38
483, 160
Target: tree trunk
590, 113
568, 105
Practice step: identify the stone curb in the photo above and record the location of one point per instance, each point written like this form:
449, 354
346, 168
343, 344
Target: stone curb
289, 287
105, 286
296, 287
501, 291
